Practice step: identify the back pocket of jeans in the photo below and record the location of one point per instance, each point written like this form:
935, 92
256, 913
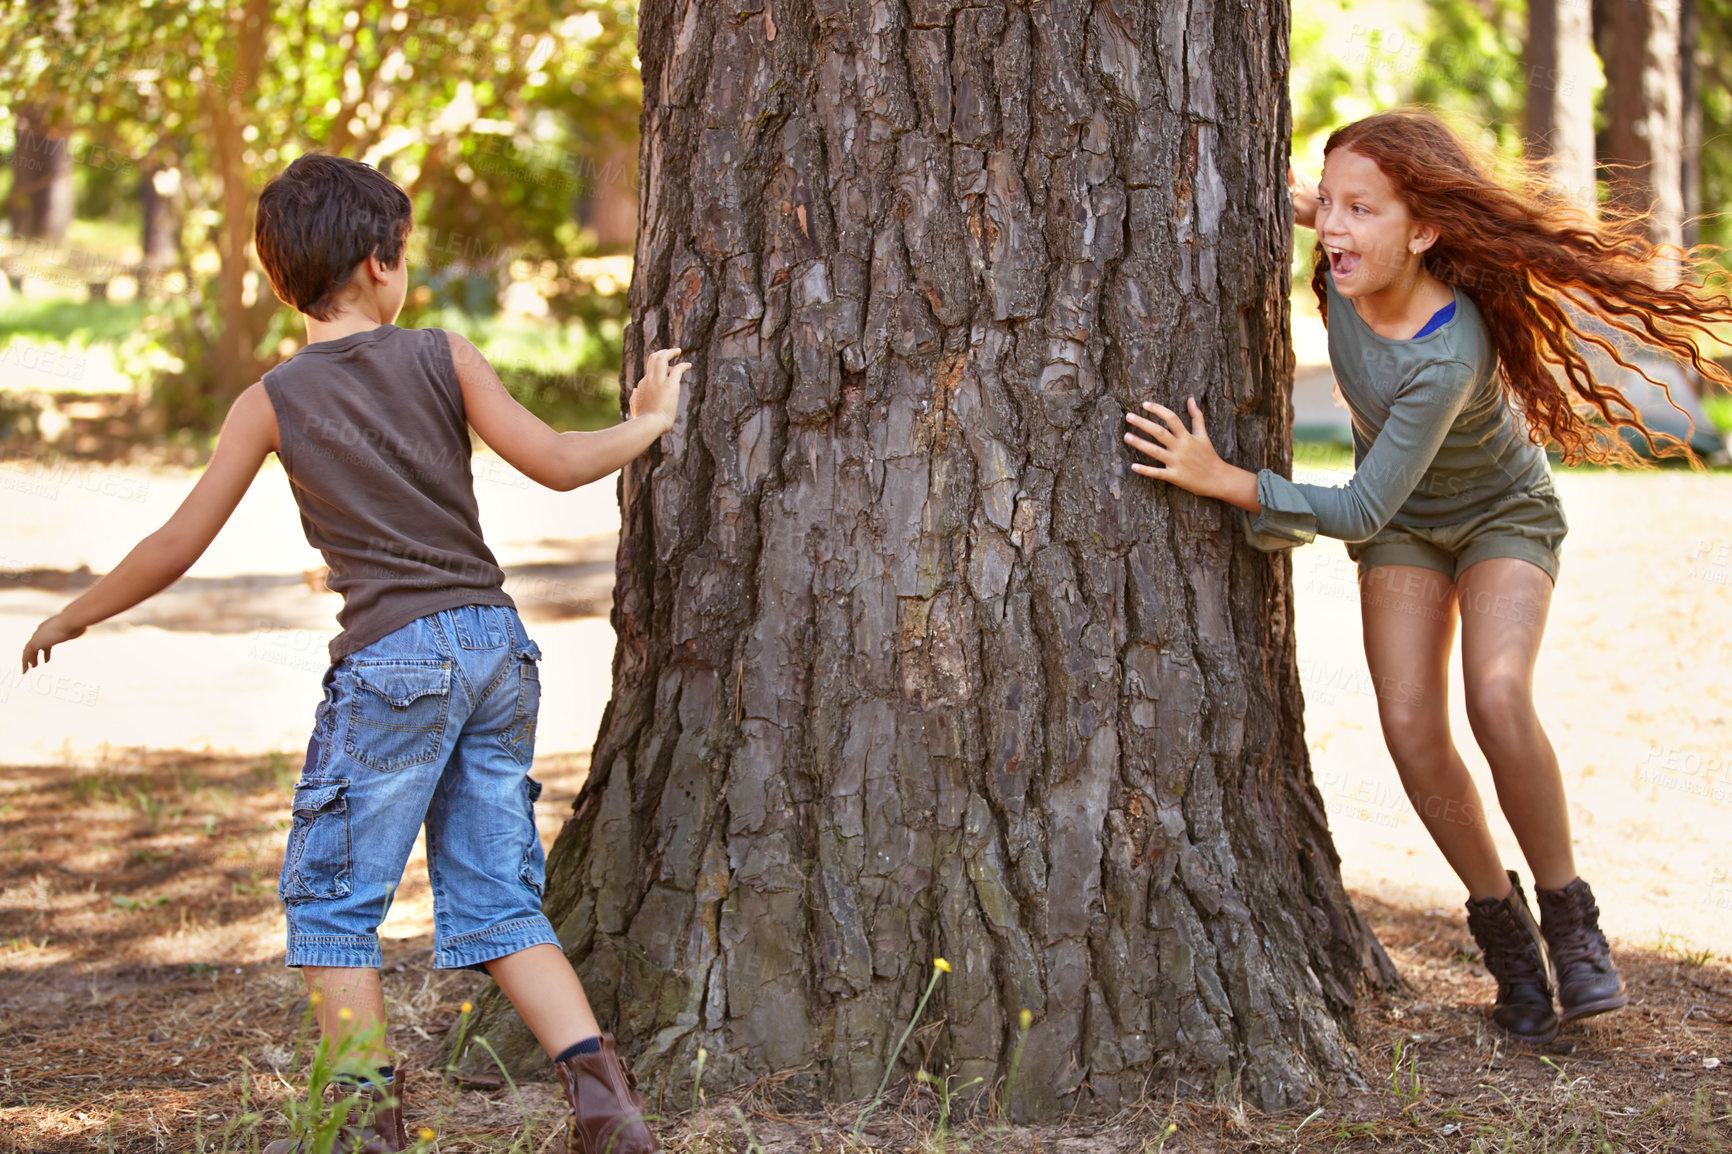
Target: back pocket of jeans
397, 713
316, 863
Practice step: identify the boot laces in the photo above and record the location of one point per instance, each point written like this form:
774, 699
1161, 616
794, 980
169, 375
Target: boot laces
1510, 954
1579, 940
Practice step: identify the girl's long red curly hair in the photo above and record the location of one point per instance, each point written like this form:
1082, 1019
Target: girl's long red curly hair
1546, 277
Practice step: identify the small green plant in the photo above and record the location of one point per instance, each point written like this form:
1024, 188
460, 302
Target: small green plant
1684, 950
1158, 1143
1408, 1090
334, 1100
92, 788
1024, 1021
946, 1096
753, 1146
135, 905
940, 967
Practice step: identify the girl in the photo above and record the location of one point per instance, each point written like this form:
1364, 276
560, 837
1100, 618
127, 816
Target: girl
1457, 311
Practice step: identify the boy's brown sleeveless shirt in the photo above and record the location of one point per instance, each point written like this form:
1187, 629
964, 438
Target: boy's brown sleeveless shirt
373, 436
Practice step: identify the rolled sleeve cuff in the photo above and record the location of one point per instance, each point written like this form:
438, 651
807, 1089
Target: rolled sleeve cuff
1286, 519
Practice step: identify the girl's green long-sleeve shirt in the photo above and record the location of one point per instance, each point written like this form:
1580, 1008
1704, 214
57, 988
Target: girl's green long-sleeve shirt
1434, 437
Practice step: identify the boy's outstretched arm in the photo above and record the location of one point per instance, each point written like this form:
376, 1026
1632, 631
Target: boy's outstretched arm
248, 434
565, 460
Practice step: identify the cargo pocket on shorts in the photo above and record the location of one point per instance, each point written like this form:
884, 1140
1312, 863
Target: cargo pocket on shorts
533, 870
519, 738
316, 863
397, 713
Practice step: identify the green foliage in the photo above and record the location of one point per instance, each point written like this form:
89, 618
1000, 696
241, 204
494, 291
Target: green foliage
567, 374
1352, 58
1719, 411
1472, 65
498, 116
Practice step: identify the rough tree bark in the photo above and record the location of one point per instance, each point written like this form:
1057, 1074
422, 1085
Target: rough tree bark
910, 664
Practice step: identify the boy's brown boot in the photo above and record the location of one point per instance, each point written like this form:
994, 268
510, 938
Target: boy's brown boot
377, 1125
1588, 982
607, 1113
1514, 953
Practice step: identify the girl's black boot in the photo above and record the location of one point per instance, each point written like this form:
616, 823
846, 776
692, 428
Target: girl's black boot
1510, 943
1588, 982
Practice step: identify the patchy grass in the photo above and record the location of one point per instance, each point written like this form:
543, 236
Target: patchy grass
139, 1011
74, 323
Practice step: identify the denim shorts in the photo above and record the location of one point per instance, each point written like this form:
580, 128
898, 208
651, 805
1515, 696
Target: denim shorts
433, 724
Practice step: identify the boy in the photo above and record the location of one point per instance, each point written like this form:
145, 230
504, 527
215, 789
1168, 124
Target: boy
431, 698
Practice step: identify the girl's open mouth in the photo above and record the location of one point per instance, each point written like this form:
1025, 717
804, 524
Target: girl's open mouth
1342, 263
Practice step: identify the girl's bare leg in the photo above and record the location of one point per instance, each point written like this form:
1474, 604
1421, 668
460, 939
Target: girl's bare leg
1409, 618
1504, 603
544, 988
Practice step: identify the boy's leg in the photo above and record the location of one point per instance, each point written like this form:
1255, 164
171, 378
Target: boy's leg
607, 1111
487, 868
350, 1004
545, 991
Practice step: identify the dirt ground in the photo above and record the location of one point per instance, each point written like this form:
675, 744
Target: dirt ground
144, 778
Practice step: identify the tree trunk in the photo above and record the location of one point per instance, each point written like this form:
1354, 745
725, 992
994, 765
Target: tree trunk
42, 194
1644, 114
609, 205
1690, 93
228, 92
910, 664
1559, 59
161, 224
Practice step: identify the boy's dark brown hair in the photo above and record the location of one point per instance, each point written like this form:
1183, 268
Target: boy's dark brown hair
321, 217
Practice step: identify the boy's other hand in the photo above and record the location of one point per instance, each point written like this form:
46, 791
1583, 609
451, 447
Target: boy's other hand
658, 393
48, 634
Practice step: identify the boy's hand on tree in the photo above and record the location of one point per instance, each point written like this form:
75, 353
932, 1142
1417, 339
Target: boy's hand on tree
1303, 192
658, 393
1186, 457
48, 634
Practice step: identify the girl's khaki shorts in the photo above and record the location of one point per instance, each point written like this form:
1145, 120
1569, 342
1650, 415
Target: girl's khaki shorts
1527, 524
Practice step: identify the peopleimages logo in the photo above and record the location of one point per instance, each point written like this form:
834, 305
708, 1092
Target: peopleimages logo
50, 480
1711, 562
40, 683
1703, 775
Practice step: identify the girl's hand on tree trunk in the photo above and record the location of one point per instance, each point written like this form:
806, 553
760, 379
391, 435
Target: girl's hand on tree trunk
1186, 457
